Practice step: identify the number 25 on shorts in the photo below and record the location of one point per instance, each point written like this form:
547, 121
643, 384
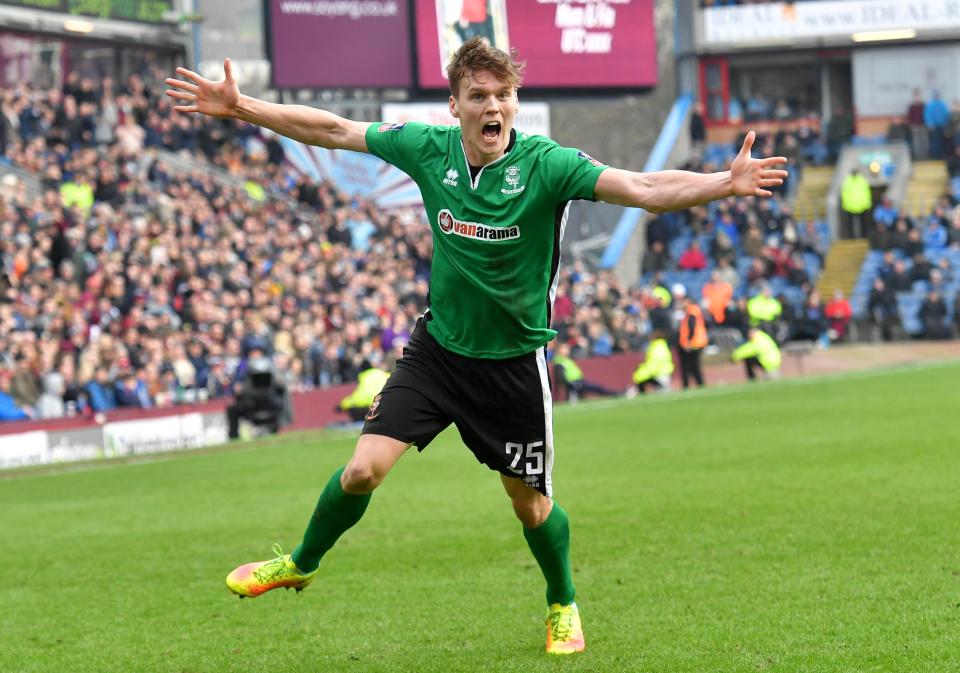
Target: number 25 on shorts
531, 455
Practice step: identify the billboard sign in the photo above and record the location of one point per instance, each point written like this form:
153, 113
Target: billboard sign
144, 11
786, 21
316, 44
565, 43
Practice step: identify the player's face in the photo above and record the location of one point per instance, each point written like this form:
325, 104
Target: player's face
486, 107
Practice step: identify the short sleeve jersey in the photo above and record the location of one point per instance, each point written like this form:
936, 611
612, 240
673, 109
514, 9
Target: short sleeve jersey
496, 237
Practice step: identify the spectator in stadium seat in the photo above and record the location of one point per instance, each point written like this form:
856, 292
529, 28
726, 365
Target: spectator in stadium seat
920, 141
722, 248
656, 258
50, 403
900, 279
692, 258
25, 386
761, 352
728, 274
934, 236
921, 268
811, 323
131, 391
900, 236
936, 116
100, 392
753, 242
883, 309
839, 313
880, 237
886, 213
9, 409
933, 317
953, 163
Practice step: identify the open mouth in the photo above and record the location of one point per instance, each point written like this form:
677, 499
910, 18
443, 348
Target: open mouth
491, 130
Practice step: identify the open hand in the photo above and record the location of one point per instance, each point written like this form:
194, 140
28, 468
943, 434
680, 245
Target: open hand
750, 176
217, 99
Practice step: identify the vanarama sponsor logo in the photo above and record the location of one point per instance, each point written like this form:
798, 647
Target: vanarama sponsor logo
481, 232
383, 128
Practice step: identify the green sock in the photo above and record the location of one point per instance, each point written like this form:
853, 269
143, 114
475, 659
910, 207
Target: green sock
550, 544
336, 511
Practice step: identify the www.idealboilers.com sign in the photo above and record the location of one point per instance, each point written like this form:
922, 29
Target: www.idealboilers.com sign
809, 20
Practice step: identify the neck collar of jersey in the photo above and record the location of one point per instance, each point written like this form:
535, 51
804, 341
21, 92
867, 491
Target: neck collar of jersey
475, 179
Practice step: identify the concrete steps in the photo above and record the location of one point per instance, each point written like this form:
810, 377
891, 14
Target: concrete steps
811, 199
927, 184
842, 267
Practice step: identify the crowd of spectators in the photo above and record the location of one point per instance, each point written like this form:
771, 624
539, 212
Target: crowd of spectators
127, 284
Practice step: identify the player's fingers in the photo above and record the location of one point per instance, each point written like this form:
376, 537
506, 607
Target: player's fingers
774, 174
748, 143
773, 161
190, 74
179, 83
771, 182
181, 95
762, 192
227, 70
185, 108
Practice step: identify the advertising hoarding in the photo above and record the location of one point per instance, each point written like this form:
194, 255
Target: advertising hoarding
339, 43
148, 11
565, 43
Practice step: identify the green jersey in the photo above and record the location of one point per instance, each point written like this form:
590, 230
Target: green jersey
496, 237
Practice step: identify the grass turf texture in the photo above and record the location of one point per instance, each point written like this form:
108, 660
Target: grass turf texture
796, 526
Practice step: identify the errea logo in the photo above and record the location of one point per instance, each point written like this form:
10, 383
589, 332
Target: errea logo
451, 178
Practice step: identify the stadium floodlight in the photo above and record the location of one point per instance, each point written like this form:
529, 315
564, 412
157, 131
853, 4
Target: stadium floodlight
885, 35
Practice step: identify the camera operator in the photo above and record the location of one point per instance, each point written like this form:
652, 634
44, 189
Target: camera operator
263, 397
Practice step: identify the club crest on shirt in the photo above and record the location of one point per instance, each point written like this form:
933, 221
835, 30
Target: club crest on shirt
511, 175
391, 127
584, 155
479, 232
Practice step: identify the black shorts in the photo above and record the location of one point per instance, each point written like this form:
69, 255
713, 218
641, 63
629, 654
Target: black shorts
502, 408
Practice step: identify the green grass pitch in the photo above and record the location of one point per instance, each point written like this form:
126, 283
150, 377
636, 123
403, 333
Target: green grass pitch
795, 526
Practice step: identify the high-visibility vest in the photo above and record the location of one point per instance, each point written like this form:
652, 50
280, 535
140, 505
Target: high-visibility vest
369, 383
658, 363
762, 347
571, 371
698, 338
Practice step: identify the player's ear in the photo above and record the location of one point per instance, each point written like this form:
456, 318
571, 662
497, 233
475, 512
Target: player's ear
453, 108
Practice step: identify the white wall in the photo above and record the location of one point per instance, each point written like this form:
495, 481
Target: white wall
884, 79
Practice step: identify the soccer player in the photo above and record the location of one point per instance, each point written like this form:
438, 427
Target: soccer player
497, 203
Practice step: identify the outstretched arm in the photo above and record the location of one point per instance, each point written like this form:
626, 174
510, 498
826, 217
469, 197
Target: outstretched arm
306, 124
675, 190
